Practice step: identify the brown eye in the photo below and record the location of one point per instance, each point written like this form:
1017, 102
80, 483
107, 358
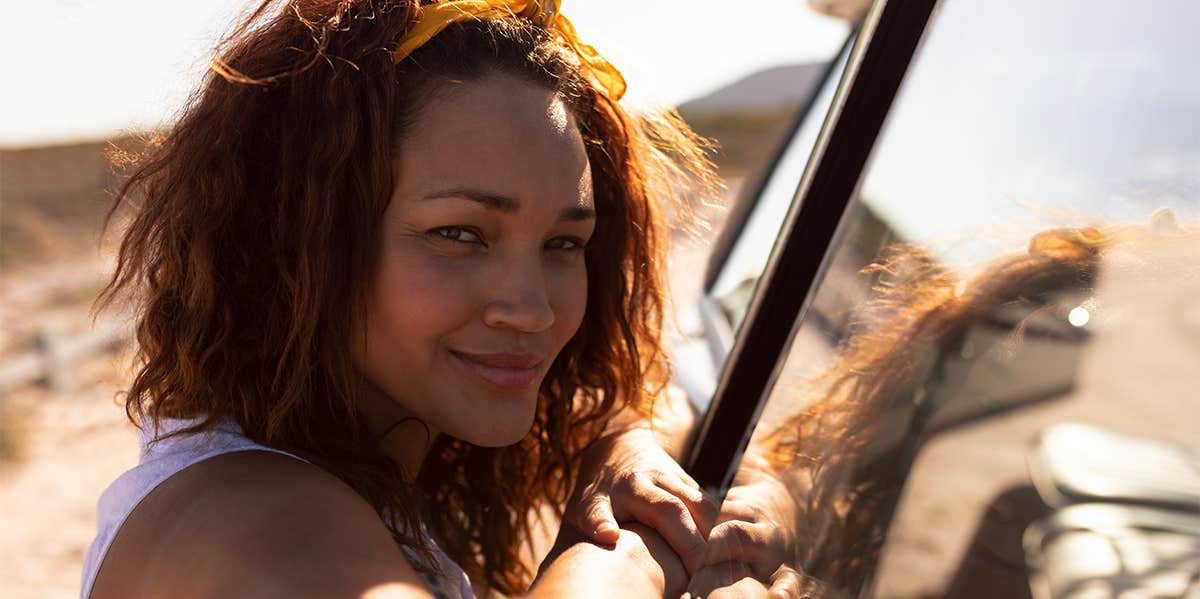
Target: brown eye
566, 244
458, 234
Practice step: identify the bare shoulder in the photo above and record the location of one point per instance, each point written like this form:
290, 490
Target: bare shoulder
254, 523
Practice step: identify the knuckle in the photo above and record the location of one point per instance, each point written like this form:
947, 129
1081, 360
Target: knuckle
741, 532
726, 541
596, 513
641, 481
624, 484
654, 476
668, 505
696, 546
734, 511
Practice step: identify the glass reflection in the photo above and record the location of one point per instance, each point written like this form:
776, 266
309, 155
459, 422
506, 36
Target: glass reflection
931, 354
735, 283
985, 294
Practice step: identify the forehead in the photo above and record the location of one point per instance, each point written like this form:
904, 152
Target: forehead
497, 133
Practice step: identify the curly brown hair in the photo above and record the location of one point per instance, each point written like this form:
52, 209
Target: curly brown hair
866, 416
254, 236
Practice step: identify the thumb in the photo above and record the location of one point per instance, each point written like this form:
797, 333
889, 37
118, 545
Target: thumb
599, 524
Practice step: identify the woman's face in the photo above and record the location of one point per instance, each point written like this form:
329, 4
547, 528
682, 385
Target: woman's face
481, 278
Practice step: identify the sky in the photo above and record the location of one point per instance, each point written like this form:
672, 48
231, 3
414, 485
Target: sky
88, 69
1007, 126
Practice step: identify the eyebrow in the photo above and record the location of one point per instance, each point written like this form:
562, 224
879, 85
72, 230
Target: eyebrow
509, 205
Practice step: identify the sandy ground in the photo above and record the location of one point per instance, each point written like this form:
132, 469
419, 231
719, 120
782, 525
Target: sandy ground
54, 296
76, 444
73, 442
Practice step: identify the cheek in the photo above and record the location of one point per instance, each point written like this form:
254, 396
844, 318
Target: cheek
418, 298
569, 299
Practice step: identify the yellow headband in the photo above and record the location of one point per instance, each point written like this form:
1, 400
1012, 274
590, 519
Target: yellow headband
432, 18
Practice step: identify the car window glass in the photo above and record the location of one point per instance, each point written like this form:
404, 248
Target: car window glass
735, 282
995, 384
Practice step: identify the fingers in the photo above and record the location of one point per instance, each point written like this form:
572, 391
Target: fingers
734, 579
703, 507
670, 517
786, 583
747, 587
756, 526
714, 576
760, 545
733, 510
724, 581
733, 540
633, 479
599, 522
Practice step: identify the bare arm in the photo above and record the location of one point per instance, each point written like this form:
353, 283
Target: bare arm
255, 524
263, 525
641, 563
674, 421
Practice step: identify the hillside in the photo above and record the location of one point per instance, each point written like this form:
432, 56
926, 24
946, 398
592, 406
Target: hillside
766, 90
53, 200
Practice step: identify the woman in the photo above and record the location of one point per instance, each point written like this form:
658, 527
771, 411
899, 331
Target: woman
397, 267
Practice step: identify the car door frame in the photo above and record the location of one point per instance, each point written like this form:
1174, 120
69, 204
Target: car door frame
887, 40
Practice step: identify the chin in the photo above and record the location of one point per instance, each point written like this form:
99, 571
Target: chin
496, 436
493, 439
499, 423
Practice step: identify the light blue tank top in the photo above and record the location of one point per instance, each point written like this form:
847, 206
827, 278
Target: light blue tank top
163, 456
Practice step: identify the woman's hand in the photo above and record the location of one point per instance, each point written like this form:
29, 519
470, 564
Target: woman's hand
628, 476
734, 580
756, 527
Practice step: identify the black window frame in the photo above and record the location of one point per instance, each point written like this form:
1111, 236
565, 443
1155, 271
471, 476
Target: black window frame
885, 45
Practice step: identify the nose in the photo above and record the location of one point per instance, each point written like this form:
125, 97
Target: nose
520, 299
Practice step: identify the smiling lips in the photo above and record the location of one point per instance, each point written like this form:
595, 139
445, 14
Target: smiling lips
510, 371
